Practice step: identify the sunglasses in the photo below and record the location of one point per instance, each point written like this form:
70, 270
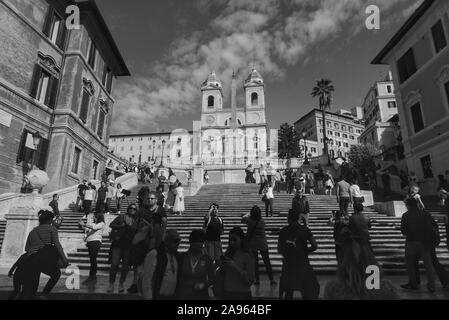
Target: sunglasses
133, 208
152, 198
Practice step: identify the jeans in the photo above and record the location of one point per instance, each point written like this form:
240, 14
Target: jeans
87, 205
266, 261
119, 203
119, 254
344, 204
93, 247
415, 250
269, 204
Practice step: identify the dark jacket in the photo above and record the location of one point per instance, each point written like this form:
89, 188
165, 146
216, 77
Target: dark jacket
416, 226
300, 205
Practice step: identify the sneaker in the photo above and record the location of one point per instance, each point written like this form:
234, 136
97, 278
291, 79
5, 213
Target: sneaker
408, 286
111, 288
121, 288
118, 212
132, 289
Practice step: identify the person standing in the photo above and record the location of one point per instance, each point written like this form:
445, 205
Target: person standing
110, 194
119, 196
54, 205
417, 244
277, 181
328, 183
238, 267
178, 207
80, 198
257, 242
269, 199
311, 183
122, 233
319, 179
214, 228
101, 198
343, 196
263, 178
289, 180
386, 183
93, 228
356, 194
196, 270
297, 273
160, 276
300, 205
206, 177
89, 196
161, 180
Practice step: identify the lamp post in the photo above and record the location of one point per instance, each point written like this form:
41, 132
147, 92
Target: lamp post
36, 142
162, 159
140, 157
306, 160
154, 145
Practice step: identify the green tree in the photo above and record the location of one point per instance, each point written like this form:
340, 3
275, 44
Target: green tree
288, 139
362, 156
323, 90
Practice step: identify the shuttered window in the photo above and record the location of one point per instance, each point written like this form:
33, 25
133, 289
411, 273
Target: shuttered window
417, 118
27, 150
101, 124
54, 28
76, 160
439, 38
44, 87
84, 106
406, 65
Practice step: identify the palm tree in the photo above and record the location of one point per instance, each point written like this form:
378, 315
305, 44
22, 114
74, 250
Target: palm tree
323, 90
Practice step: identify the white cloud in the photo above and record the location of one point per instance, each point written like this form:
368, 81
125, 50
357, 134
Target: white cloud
273, 34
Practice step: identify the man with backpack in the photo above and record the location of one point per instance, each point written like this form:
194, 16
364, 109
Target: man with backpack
160, 276
214, 228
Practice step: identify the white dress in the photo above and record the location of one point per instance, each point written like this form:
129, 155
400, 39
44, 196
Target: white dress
179, 200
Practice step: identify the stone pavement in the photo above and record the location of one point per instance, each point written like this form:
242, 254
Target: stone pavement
263, 291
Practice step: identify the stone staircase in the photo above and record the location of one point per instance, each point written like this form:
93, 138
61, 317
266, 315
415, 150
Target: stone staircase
236, 200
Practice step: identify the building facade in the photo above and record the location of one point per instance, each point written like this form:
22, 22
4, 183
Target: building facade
56, 87
343, 131
379, 106
224, 135
418, 55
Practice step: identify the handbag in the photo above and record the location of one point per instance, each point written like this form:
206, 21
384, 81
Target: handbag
362, 199
264, 198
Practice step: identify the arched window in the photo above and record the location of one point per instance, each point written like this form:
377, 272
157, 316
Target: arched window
254, 99
210, 101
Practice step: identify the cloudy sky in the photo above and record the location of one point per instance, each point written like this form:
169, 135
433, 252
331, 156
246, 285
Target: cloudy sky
171, 46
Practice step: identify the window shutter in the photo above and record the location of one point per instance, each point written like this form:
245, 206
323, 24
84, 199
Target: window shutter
35, 80
101, 124
48, 21
84, 106
20, 153
50, 98
94, 119
60, 42
43, 154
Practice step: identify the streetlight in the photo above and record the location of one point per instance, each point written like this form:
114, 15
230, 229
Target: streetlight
140, 157
37, 137
162, 159
154, 144
306, 160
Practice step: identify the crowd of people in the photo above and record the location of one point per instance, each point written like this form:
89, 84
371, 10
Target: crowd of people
141, 243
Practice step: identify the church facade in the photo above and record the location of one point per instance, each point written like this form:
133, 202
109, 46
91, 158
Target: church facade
224, 137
